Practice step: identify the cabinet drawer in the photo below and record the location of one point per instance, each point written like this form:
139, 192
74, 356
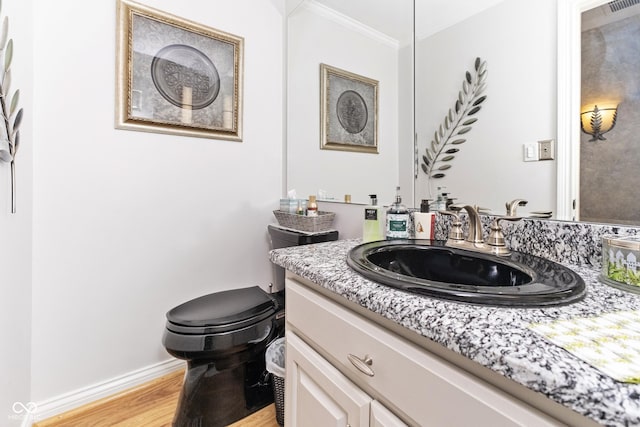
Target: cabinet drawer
423, 387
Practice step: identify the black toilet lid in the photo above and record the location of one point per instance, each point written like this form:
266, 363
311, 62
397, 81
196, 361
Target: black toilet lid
221, 310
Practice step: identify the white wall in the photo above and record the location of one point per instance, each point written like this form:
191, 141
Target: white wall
316, 38
517, 38
129, 224
15, 229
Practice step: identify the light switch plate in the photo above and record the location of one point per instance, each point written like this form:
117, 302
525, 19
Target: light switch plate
530, 152
547, 149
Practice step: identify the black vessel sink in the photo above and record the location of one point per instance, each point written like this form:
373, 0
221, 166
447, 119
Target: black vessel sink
429, 267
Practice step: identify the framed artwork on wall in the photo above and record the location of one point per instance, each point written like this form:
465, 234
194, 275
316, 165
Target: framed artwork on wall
176, 76
348, 111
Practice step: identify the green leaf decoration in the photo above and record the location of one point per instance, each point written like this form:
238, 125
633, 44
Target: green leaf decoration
429, 156
474, 110
14, 102
456, 122
18, 121
479, 100
482, 68
6, 82
5, 32
8, 55
9, 106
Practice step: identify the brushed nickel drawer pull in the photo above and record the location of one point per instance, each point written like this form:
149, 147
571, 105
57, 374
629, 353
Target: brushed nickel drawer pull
363, 365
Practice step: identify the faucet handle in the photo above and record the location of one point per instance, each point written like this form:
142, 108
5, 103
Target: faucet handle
455, 233
513, 205
496, 235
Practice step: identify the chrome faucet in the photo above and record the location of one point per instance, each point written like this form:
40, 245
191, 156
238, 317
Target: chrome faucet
475, 226
513, 205
474, 241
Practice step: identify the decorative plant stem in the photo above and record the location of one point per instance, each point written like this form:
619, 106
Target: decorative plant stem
456, 123
8, 107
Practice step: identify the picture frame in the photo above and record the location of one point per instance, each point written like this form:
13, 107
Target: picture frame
176, 76
348, 111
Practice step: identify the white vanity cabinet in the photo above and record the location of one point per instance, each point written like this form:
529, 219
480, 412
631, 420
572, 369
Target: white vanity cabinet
319, 395
402, 383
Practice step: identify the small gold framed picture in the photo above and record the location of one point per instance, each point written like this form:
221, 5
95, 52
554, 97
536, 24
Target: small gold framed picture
348, 111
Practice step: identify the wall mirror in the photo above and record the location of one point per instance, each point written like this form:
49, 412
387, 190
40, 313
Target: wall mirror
597, 63
533, 94
369, 38
517, 39
533, 58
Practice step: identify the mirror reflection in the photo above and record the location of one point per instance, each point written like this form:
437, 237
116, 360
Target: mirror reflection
371, 39
610, 113
520, 110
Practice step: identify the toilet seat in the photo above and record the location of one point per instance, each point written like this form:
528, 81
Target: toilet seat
221, 312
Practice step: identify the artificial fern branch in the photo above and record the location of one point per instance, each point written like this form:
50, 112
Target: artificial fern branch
456, 123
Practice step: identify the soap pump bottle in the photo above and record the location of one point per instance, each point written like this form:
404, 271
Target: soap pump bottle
397, 219
424, 222
372, 226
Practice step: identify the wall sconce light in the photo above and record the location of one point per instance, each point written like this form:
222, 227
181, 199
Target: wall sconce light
598, 121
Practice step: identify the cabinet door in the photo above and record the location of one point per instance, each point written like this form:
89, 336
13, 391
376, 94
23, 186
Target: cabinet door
317, 394
423, 387
382, 417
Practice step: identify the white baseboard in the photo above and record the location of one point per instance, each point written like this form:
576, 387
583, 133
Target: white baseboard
68, 401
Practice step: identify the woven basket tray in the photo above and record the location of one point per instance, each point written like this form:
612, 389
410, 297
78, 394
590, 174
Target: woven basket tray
312, 224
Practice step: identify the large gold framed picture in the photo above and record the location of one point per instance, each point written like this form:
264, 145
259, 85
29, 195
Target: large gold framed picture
348, 111
176, 76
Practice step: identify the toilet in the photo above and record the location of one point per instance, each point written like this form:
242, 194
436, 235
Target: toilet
223, 337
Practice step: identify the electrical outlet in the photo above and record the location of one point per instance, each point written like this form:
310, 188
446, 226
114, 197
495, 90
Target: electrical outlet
546, 149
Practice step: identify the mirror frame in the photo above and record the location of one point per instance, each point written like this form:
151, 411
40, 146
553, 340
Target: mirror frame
568, 105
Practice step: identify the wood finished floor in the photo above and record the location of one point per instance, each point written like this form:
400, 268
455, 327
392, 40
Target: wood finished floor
149, 405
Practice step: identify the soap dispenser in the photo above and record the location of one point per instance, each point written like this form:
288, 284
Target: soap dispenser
424, 222
398, 219
372, 226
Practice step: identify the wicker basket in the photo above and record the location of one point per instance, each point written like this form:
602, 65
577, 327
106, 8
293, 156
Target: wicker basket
278, 397
311, 224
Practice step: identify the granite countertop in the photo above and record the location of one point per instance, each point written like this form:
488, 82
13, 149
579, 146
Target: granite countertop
495, 337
